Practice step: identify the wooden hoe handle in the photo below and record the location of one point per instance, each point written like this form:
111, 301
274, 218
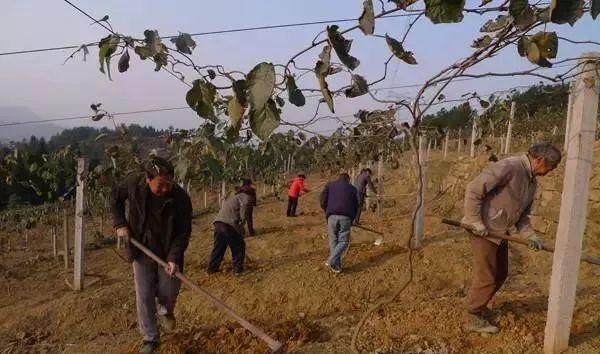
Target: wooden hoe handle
545, 247
272, 343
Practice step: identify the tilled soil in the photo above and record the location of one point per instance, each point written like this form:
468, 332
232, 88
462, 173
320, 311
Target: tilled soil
290, 294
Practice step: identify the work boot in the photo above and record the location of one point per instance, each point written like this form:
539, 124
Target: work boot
167, 322
148, 347
477, 323
488, 313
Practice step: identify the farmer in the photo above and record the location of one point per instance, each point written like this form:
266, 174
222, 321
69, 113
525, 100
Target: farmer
340, 202
249, 189
296, 190
159, 216
498, 199
363, 180
229, 232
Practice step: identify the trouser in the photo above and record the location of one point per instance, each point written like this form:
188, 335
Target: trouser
490, 269
250, 220
226, 236
338, 229
153, 283
361, 204
292, 205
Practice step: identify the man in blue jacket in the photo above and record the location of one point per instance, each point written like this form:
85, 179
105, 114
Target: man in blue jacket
340, 202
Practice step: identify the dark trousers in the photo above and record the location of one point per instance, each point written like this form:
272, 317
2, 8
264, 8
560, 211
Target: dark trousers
292, 205
361, 204
250, 220
226, 236
490, 269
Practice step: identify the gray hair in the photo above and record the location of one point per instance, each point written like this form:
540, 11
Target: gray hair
547, 151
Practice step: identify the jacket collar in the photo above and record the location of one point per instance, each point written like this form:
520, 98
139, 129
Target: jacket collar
527, 165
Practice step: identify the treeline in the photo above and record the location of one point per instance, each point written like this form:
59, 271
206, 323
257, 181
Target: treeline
540, 108
38, 170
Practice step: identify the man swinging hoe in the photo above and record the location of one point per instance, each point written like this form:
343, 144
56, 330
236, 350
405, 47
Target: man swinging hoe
495, 201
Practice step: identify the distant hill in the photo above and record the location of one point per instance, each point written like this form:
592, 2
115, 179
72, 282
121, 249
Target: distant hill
10, 114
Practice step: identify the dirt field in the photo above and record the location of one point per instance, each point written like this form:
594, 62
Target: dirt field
292, 295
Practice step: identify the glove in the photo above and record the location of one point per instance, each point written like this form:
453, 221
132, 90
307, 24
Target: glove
123, 232
535, 244
479, 229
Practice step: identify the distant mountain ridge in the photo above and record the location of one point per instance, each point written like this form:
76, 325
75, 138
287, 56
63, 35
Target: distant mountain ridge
16, 114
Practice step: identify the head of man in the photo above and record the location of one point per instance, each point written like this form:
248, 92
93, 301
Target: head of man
368, 171
303, 176
544, 158
345, 177
159, 176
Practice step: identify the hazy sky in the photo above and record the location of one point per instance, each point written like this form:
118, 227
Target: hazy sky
43, 84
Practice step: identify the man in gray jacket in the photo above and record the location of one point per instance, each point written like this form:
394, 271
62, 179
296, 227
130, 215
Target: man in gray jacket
498, 199
229, 231
363, 180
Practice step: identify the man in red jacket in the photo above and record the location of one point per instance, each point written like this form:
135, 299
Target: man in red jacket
296, 190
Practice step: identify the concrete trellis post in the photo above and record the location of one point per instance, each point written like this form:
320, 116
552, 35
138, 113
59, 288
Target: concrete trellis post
569, 114
66, 238
513, 107
501, 145
446, 141
79, 244
420, 218
473, 137
380, 185
573, 210
459, 147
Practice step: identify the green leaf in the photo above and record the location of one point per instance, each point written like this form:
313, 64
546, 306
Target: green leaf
495, 25
522, 45
482, 42
444, 11
280, 101
239, 88
295, 96
342, 47
322, 66
516, 7
201, 98
547, 42
160, 60
594, 9
124, 62
265, 120
326, 93
108, 46
366, 21
397, 49
522, 14
566, 11
235, 111
100, 136
211, 74
484, 104
184, 43
534, 55
261, 83
359, 87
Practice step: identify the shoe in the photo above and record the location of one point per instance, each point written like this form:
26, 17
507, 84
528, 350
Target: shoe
211, 271
241, 273
336, 270
167, 322
148, 347
488, 313
477, 323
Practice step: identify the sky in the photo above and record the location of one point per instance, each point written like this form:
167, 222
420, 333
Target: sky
43, 84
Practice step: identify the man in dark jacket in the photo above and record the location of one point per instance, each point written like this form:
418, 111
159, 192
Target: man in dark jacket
363, 180
229, 232
340, 202
159, 215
